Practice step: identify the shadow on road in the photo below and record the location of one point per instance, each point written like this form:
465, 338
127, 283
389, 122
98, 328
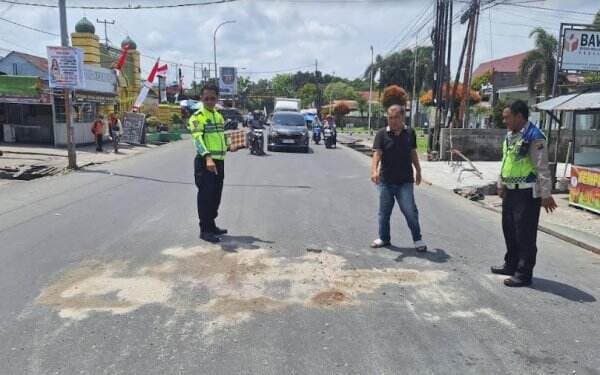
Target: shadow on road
562, 290
435, 255
270, 186
104, 171
233, 243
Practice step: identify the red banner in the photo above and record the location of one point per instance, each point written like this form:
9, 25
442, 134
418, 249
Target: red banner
584, 190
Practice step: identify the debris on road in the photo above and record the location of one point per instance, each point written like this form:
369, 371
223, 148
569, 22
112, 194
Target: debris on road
27, 172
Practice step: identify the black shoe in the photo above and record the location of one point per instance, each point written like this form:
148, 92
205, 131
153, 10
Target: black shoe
516, 282
218, 231
209, 237
502, 270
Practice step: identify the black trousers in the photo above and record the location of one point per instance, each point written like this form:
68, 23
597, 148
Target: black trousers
210, 190
520, 217
98, 142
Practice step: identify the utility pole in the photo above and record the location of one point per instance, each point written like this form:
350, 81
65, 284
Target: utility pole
105, 22
371, 88
64, 37
195, 82
473, 14
415, 100
318, 98
440, 43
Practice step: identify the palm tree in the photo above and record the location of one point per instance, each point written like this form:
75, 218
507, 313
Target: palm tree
374, 67
539, 64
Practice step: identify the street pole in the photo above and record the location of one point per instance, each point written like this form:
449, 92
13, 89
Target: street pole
215, 46
64, 37
414, 93
371, 88
106, 23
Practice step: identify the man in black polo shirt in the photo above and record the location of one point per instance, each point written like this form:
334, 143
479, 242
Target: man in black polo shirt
395, 149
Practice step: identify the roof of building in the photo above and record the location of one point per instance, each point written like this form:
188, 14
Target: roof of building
572, 102
508, 64
85, 26
128, 40
39, 62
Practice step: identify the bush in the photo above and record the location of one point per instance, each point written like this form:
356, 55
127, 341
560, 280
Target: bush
394, 95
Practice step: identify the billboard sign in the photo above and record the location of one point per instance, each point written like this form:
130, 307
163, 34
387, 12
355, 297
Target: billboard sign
227, 81
133, 128
65, 68
584, 189
580, 50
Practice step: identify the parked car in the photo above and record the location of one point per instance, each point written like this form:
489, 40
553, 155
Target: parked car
288, 130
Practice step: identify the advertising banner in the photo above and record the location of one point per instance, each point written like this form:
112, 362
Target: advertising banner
581, 50
227, 81
584, 189
65, 68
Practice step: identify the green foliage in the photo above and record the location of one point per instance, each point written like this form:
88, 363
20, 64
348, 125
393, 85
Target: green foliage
481, 81
592, 77
539, 64
308, 94
398, 69
497, 113
283, 85
340, 90
176, 119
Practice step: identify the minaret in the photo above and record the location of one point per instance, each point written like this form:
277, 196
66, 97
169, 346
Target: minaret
84, 38
135, 83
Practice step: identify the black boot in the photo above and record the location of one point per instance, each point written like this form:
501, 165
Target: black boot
503, 270
517, 281
219, 231
210, 237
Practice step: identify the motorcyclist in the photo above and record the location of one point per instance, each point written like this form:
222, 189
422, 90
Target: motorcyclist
253, 123
330, 124
316, 128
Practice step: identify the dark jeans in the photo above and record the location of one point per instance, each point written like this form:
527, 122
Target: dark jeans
98, 142
210, 190
520, 217
404, 195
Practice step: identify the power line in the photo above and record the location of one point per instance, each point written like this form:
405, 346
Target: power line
28, 27
137, 7
549, 9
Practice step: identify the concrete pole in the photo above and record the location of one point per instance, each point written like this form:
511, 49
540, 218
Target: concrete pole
371, 89
64, 37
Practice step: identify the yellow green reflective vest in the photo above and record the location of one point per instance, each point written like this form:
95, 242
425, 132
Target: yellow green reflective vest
208, 135
517, 166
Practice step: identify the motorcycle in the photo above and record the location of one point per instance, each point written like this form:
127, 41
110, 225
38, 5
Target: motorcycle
256, 142
316, 135
329, 138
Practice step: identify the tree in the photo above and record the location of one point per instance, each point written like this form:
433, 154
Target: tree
427, 98
308, 94
497, 110
596, 22
394, 95
283, 85
539, 64
340, 110
340, 90
399, 69
481, 81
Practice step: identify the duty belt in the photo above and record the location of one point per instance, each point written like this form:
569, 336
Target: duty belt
524, 185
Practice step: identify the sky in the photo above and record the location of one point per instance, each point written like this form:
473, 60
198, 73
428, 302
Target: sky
284, 36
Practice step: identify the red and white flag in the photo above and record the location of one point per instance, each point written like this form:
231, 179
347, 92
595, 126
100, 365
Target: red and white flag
162, 70
122, 59
147, 85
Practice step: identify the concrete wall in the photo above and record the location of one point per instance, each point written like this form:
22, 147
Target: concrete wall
476, 144
486, 144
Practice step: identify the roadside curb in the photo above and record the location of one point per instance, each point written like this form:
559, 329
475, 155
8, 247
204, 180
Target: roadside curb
541, 228
552, 232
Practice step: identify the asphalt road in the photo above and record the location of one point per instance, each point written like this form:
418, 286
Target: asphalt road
102, 272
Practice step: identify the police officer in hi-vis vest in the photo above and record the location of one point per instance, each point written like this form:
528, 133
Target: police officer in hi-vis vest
525, 186
207, 128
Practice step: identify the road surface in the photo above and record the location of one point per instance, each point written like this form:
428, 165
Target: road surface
102, 272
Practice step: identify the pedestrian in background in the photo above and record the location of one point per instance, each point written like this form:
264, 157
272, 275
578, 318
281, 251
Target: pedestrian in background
98, 131
394, 155
208, 134
525, 185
